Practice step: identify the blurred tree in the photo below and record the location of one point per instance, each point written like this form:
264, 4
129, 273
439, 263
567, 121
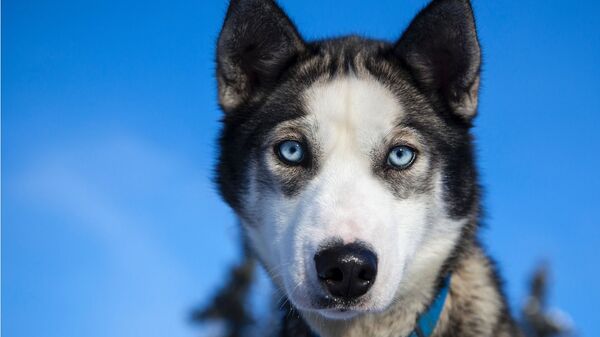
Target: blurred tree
229, 304
537, 320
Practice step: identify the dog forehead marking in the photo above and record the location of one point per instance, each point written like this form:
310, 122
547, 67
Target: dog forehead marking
352, 113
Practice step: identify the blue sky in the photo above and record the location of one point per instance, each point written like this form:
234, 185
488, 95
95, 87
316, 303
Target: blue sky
111, 225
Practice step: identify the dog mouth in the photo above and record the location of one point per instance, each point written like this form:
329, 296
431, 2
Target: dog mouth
335, 308
339, 310
340, 313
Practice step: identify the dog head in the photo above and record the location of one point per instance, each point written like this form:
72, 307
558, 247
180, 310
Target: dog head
349, 161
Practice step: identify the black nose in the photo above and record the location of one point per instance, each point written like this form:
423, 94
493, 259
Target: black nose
347, 271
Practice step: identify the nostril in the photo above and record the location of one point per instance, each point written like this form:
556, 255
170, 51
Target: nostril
332, 275
366, 275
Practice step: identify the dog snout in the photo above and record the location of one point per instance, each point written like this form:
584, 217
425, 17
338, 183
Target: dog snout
346, 271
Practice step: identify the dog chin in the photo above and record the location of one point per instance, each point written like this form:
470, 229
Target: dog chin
338, 314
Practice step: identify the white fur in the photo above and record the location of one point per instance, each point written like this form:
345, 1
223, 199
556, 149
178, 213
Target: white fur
351, 118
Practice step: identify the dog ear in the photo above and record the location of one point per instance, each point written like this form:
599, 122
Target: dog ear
256, 43
441, 49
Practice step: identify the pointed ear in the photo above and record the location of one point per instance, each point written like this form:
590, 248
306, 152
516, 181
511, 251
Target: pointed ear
441, 50
256, 43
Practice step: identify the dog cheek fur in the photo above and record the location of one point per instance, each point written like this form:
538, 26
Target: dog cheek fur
269, 218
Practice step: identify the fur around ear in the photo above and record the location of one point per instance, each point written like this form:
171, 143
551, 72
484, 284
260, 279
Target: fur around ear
441, 49
256, 43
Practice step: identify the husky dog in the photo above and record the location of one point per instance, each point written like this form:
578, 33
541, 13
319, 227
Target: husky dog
351, 167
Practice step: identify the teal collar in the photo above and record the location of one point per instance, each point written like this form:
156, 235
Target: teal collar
428, 320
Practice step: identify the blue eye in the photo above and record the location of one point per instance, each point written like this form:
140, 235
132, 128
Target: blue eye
401, 157
291, 152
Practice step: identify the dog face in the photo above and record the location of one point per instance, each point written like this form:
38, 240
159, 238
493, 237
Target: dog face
349, 161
